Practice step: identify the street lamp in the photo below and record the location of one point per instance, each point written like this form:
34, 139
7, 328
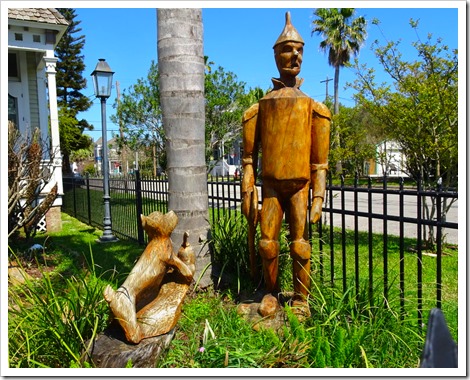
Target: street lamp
102, 81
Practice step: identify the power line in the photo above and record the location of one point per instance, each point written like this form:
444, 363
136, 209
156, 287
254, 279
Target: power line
326, 85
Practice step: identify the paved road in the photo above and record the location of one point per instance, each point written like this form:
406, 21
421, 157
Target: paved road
410, 210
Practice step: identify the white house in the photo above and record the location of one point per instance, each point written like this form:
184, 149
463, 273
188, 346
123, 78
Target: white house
33, 34
114, 159
389, 159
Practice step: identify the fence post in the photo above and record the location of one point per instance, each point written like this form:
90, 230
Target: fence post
402, 249
332, 249
74, 198
419, 255
439, 244
88, 197
356, 233
343, 234
138, 206
370, 241
385, 238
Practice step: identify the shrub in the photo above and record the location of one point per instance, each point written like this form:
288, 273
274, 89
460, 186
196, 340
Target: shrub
28, 176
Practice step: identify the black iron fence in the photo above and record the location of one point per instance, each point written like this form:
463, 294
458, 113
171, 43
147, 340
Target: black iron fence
370, 235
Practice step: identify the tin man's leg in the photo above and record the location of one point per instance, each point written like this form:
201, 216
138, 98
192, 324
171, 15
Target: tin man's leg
271, 218
300, 249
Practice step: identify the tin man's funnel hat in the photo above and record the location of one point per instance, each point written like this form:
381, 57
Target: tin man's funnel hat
289, 33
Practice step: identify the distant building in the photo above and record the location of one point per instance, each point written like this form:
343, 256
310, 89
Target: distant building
33, 34
114, 158
389, 159
226, 163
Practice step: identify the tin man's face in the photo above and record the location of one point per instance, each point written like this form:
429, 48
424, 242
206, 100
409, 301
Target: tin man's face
288, 57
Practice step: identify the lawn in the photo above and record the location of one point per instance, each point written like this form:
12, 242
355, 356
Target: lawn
346, 329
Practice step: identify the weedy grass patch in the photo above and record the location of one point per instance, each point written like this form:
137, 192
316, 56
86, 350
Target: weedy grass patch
53, 317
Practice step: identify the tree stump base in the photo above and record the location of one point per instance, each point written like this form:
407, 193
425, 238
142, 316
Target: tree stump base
111, 349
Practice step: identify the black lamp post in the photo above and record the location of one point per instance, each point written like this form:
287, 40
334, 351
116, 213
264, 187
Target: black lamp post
102, 80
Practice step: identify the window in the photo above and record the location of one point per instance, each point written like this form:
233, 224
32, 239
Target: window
13, 110
50, 36
13, 71
36, 38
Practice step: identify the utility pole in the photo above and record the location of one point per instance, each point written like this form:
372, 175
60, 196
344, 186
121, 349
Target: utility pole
326, 85
121, 134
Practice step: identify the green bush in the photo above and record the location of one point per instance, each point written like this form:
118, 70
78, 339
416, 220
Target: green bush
90, 169
229, 245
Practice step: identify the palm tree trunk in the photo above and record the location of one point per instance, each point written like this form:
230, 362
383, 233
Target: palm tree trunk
336, 138
181, 66
336, 87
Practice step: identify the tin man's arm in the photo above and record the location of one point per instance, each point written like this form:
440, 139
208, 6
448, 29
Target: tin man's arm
319, 157
249, 163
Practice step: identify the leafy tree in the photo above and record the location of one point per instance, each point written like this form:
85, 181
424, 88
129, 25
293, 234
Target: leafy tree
70, 82
342, 36
225, 104
418, 109
139, 115
357, 139
71, 137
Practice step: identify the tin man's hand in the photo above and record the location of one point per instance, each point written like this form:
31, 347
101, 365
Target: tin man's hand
248, 187
315, 211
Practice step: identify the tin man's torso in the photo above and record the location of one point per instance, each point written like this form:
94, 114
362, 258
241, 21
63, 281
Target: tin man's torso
285, 122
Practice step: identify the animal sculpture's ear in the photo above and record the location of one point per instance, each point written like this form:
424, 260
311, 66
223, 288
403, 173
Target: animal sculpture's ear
143, 218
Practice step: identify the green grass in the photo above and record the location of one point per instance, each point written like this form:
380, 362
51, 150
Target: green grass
51, 319
123, 208
410, 267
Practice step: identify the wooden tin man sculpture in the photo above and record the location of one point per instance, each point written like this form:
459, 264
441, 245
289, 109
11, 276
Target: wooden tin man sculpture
292, 132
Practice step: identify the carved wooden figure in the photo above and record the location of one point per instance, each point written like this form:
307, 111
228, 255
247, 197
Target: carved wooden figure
149, 301
293, 133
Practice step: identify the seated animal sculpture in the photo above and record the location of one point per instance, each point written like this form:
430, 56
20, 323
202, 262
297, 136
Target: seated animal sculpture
149, 301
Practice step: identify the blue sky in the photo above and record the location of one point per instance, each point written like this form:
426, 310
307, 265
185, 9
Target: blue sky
240, 40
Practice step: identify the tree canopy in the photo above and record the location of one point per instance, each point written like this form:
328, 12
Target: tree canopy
139, 116
359, 135
418, 107
70, 83
225, 104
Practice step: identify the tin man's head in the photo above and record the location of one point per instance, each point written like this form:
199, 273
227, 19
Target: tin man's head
288, 50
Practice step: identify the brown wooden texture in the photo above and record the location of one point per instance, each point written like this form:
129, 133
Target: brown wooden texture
112, 350
291, 131
149, 301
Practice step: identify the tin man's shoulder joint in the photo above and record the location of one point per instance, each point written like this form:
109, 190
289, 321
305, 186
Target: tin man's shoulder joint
250, 113
321, 110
